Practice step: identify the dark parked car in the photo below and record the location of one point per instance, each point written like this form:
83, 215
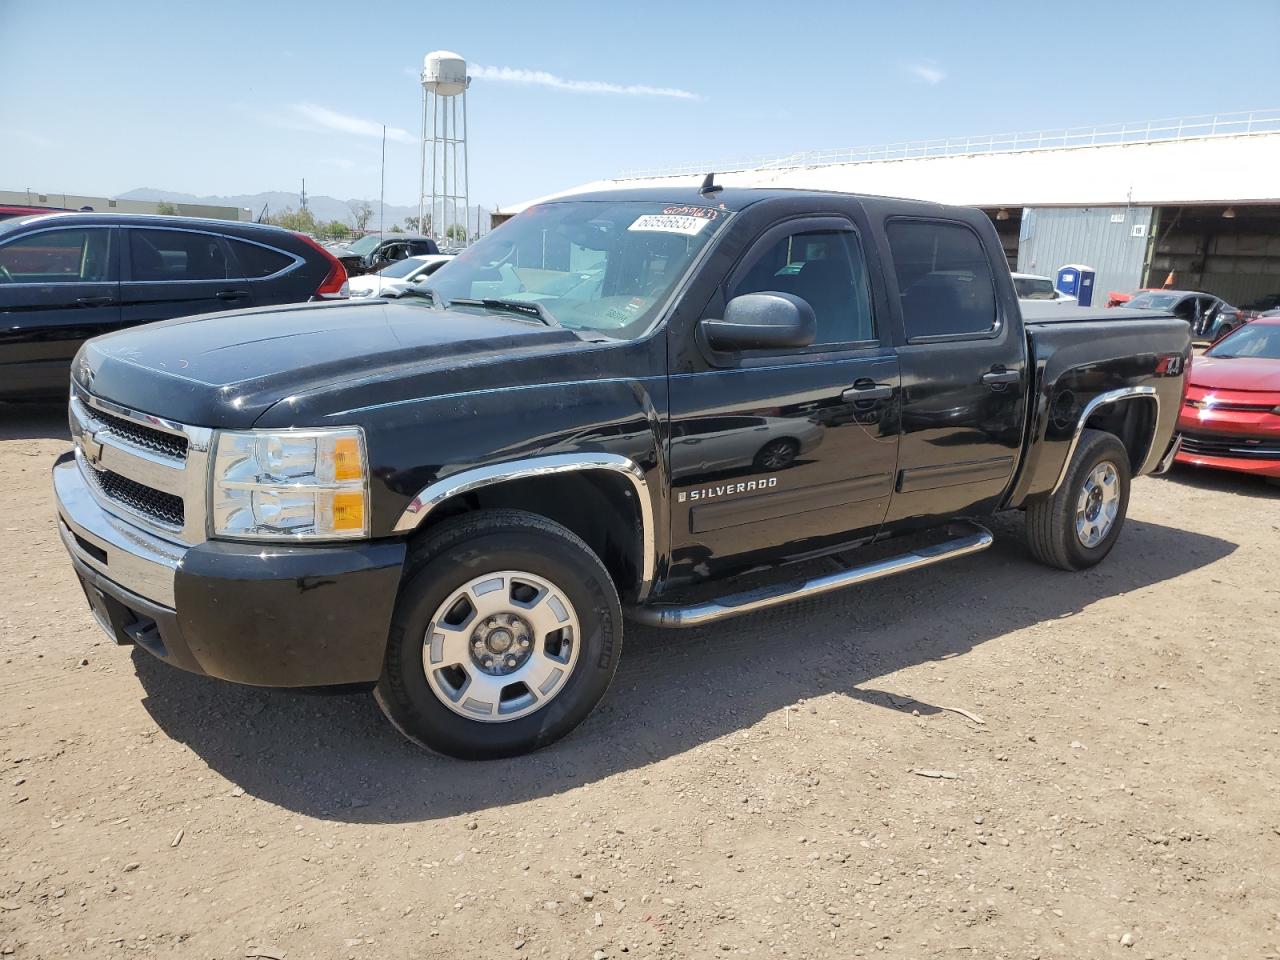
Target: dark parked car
1210, 317
67, 277
371, 253
453, 496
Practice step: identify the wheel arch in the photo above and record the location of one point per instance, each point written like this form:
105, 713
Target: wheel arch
1132, 414
604, 498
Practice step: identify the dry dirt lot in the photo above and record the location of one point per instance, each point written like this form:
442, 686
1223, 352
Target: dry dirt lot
745, 789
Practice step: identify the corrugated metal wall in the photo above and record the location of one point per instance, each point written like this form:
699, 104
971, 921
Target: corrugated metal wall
1052, 237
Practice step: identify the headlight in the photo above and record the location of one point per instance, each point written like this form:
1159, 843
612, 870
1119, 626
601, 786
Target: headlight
290, 485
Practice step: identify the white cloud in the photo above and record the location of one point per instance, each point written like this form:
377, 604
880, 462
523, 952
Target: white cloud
326, 119
541, 78
926, 71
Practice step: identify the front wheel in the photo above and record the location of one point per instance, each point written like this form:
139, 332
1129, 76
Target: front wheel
505, 636
1079, 524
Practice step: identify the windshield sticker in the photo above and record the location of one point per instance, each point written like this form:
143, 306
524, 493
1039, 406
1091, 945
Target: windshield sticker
683, 224
706, 213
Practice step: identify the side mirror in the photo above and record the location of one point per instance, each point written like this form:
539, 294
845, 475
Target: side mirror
762, 321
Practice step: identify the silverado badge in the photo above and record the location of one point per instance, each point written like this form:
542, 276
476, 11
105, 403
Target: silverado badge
728, 489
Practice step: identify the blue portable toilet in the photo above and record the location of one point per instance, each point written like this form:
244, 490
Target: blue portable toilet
1076, 280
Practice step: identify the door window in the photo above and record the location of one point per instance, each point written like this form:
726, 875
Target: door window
58, 256
944, 279
257, 262
176, 255
826, 269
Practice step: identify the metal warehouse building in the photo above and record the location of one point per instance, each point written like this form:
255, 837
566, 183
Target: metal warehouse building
1198, 197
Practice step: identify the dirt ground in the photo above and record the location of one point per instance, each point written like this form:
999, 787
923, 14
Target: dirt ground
745, 789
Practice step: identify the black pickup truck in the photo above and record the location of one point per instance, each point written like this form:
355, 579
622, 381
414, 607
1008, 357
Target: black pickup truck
602, 408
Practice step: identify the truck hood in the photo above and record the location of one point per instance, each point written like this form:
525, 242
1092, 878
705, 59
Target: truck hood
226, 369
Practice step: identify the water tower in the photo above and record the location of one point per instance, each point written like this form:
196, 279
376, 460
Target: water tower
444, 198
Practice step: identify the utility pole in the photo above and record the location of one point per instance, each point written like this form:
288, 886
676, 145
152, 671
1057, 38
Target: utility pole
302, 203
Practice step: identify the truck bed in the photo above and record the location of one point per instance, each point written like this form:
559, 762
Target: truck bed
1048, 311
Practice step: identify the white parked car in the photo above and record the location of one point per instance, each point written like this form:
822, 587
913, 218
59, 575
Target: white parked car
1033, 287
394, 279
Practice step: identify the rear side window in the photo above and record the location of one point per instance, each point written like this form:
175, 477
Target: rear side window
944, 279
176, 255
257, 262
825, 268
57, 256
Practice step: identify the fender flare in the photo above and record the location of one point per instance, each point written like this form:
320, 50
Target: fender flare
434, 494
1092, 407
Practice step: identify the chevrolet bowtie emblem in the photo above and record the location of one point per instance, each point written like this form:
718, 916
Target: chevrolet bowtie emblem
92, 447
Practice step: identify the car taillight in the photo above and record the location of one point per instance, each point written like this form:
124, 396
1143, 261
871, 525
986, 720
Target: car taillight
334, 285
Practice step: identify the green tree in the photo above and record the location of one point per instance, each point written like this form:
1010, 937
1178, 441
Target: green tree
395, 228
166, 209
411, 224
335, 228
456, 232
303, 221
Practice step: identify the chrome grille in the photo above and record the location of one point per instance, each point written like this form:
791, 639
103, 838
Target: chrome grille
162, 508
165, 444
145, 469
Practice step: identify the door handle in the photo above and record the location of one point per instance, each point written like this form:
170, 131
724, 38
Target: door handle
94, 301
231, 294
866, 389
997, 377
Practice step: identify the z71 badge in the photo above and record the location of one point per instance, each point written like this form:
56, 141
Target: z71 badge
727, 489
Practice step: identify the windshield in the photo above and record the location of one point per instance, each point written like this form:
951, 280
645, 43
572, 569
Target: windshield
1034, 288
1258, 340
401, 268
1152, 301
601, 266
365, 244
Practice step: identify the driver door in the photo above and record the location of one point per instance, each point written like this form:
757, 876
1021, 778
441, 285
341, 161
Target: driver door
58, 288
775, 454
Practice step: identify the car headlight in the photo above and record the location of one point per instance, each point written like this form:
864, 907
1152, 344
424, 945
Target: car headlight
290, 485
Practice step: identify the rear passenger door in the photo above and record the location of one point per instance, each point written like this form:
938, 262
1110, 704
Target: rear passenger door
173, 272
963, 362
779, 453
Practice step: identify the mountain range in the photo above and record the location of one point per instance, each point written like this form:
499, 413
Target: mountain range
323, 208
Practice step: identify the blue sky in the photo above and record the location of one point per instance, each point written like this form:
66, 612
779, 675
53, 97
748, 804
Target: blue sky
237, 97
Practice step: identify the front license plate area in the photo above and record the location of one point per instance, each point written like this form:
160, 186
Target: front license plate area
111, 616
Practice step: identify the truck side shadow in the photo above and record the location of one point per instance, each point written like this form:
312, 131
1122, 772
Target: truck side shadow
335, 757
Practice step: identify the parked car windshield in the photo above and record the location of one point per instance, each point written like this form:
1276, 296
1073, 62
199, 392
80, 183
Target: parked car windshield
1258, 340
604, 267
401, 268
1153, 301
364, 244
1034, 288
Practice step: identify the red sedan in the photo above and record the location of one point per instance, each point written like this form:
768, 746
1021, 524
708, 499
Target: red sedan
1231, 416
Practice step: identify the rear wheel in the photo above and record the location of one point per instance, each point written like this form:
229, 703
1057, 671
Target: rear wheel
505, 636
1079, 524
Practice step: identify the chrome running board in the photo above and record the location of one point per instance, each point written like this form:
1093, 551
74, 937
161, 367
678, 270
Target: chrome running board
750, 601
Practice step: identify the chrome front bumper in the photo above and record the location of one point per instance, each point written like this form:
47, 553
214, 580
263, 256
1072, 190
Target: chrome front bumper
125, 554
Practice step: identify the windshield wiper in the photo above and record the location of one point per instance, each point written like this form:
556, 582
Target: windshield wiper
425, 292
529, 308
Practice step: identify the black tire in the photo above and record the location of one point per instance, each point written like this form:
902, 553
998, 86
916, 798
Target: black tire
777, 454
1051, 521
455, 553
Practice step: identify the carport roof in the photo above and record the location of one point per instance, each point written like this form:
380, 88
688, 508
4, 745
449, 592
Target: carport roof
1217, 169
